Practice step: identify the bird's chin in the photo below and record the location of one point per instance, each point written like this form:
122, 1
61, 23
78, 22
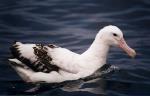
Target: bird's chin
123, 45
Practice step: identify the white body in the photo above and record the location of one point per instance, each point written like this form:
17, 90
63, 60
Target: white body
72, 66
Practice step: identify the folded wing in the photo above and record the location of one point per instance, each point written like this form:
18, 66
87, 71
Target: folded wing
33, 56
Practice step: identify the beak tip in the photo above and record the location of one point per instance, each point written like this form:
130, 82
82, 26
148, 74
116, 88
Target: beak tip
133, 54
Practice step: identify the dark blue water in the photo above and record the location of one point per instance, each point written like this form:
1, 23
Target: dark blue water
73, 24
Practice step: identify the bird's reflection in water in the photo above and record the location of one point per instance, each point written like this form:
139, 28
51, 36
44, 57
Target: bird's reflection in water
96, 86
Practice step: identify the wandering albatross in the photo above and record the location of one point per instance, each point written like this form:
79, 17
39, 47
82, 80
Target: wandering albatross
53, 64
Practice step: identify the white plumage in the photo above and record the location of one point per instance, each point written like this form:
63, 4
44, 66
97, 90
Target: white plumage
59, 64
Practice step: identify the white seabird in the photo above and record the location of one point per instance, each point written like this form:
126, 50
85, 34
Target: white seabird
53, 64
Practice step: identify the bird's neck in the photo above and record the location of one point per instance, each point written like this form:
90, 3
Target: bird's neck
97, 51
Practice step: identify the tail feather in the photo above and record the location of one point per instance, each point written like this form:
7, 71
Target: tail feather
21, 69
16, 63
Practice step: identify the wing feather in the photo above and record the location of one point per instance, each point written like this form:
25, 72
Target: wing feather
33, 56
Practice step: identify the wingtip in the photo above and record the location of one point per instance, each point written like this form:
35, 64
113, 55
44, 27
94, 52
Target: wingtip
14, 49
15, 42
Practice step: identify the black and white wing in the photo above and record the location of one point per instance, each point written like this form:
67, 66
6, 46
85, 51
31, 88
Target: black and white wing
34, 56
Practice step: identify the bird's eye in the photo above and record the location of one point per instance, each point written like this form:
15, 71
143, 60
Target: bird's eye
114, 34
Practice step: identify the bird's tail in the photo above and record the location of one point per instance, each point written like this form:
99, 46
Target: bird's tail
21, 69
16, 63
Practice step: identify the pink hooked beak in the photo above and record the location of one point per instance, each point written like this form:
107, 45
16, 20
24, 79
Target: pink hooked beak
122, 44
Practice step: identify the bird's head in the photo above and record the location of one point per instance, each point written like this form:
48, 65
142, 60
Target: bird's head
113, 36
